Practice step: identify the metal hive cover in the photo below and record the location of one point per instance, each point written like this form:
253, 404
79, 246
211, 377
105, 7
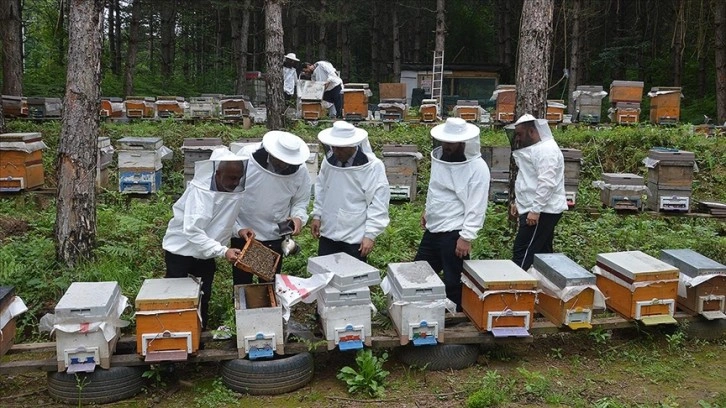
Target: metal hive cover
168, 289
91, 299
633, 263
497, 271
20, 137
140, 143
6, 295
201, 142
348, 271
622, 179
562, 271
691, 263
662, 153
331, 296
416, 281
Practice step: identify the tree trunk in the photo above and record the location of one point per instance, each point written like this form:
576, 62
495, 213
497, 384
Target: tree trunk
719, 30
75, 228
218, 39
60, 35
151, 35
119, 36
132, 48
417, 36
322, 40
240, 37
678, 43
274, 52
12, 47
168, 22
396, 43
576, 47
375, 43
345, 50
701, 50
440, 25
2, 119
112, 37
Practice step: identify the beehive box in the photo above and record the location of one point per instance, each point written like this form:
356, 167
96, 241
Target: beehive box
498, 296
497, 157
392, 92
467, 110
139, 164
14, 106
234, 106
401, 170
670, 168
7, 318
627, 112
41, 107
258, 317
355, 101
665, 105
78, 348
562, 272
499, 186
506, 98
170, 106
702, 286
429, 110
112, 107
140, 107
258, 259
196, 149
203, 107
626, 91
21, 167
638, 286
312, 163
588, 103
105, 158
666, 198
311, 110
416, 302
555, 110
346, 325
349, 273
621, 198
168, 324
573, 164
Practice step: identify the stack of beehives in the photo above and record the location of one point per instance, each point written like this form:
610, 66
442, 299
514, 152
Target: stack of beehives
506, 97
588, 103
497, 157
670, 176
665, 105
22, 161
139, 164
625, 97
401, 170
573, 164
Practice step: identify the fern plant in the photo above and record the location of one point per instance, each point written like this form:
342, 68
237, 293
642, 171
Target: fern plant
368, 378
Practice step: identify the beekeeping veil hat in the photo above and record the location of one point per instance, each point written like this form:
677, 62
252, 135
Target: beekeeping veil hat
543, 129
344, 134
221, 161
286, 147
292, 56
457, 130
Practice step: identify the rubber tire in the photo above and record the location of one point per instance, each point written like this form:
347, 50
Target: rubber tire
103, 386
268, 377
440, 356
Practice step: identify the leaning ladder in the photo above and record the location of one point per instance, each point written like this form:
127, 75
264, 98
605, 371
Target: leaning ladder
437, 81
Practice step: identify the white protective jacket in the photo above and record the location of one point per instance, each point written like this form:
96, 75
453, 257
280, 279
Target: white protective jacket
540, 185
203, 218
352, 202
325, 72
458, 193
289, 76
270, 198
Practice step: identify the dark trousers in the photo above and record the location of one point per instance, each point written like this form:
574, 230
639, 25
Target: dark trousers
335, 96
327, 246
179, 266
240, 277
534, 239
439, 250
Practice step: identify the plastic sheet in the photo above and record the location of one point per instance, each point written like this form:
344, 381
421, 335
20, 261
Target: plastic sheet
15, 308
22, 146
653, 163
568, 292
483, 295
85, 324
291, 290
636, 189
598, 94
632, 286
686, 282
326, 312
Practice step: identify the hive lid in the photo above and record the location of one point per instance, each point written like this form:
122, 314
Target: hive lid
494, 272
571, 154
348, 271
89, 299
416, 281
691, 263
331, 296
21, 137
140, 143
662, 153
633, 84
168, 289
627, 105
198, 143
622, 179
562, 271
590, 88
497, 174
632, 264
7, 293
356, 86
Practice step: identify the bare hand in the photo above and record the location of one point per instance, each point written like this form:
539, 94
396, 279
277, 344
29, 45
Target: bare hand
246, 233
513, 210
232, 254
463, 248
315, 228
532, 218
366, 246
423, 220
298, 226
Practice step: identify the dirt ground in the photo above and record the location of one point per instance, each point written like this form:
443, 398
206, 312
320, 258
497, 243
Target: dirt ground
626, 368
12, 226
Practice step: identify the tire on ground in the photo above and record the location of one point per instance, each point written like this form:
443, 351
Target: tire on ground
268, 377
99, 387
440, 356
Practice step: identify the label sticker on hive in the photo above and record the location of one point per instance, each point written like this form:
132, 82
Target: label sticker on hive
258, 259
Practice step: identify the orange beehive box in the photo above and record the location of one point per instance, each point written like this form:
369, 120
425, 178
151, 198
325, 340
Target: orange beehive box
429, 110
665, 105
469, 113
355, 101
506, 97
170, 106
555, 110
702, 288
168, 325
626, 91
638, 286
311, 110
21, 161
139, 107
498, 296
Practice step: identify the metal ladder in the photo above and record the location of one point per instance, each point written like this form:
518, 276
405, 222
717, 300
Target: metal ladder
437, 80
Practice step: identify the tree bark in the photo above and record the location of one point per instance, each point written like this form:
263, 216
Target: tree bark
534, 57
218, 39
60, 35
440, 25
417, 36
701, 50
168, 22
274, 52
112, 37
396, 43
240, 36
12, 47
719, 30
322, 40
2, 119
575, 49
132, 48
75, 228
345, 50
375, 43
678, 43
119, 36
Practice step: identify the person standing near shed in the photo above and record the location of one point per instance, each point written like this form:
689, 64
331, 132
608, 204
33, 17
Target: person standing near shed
278, 189
323, 71
456, 202
539, 189
350, 208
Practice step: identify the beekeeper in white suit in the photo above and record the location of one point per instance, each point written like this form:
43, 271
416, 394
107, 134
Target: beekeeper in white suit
289, 75
539, 190
456, 202
350, 208
204, 218
277, 190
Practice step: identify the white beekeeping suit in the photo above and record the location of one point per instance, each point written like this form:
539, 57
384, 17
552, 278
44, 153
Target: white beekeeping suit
458, 190
289, 75
204, 217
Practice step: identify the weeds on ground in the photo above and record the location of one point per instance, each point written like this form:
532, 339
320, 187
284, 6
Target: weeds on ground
369, 376
493, 391
218, 395
81, 383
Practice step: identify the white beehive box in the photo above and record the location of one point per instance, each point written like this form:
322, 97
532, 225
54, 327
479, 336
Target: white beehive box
416, 302
347, 327
79, 349
349, 272
258, 317
334, 297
